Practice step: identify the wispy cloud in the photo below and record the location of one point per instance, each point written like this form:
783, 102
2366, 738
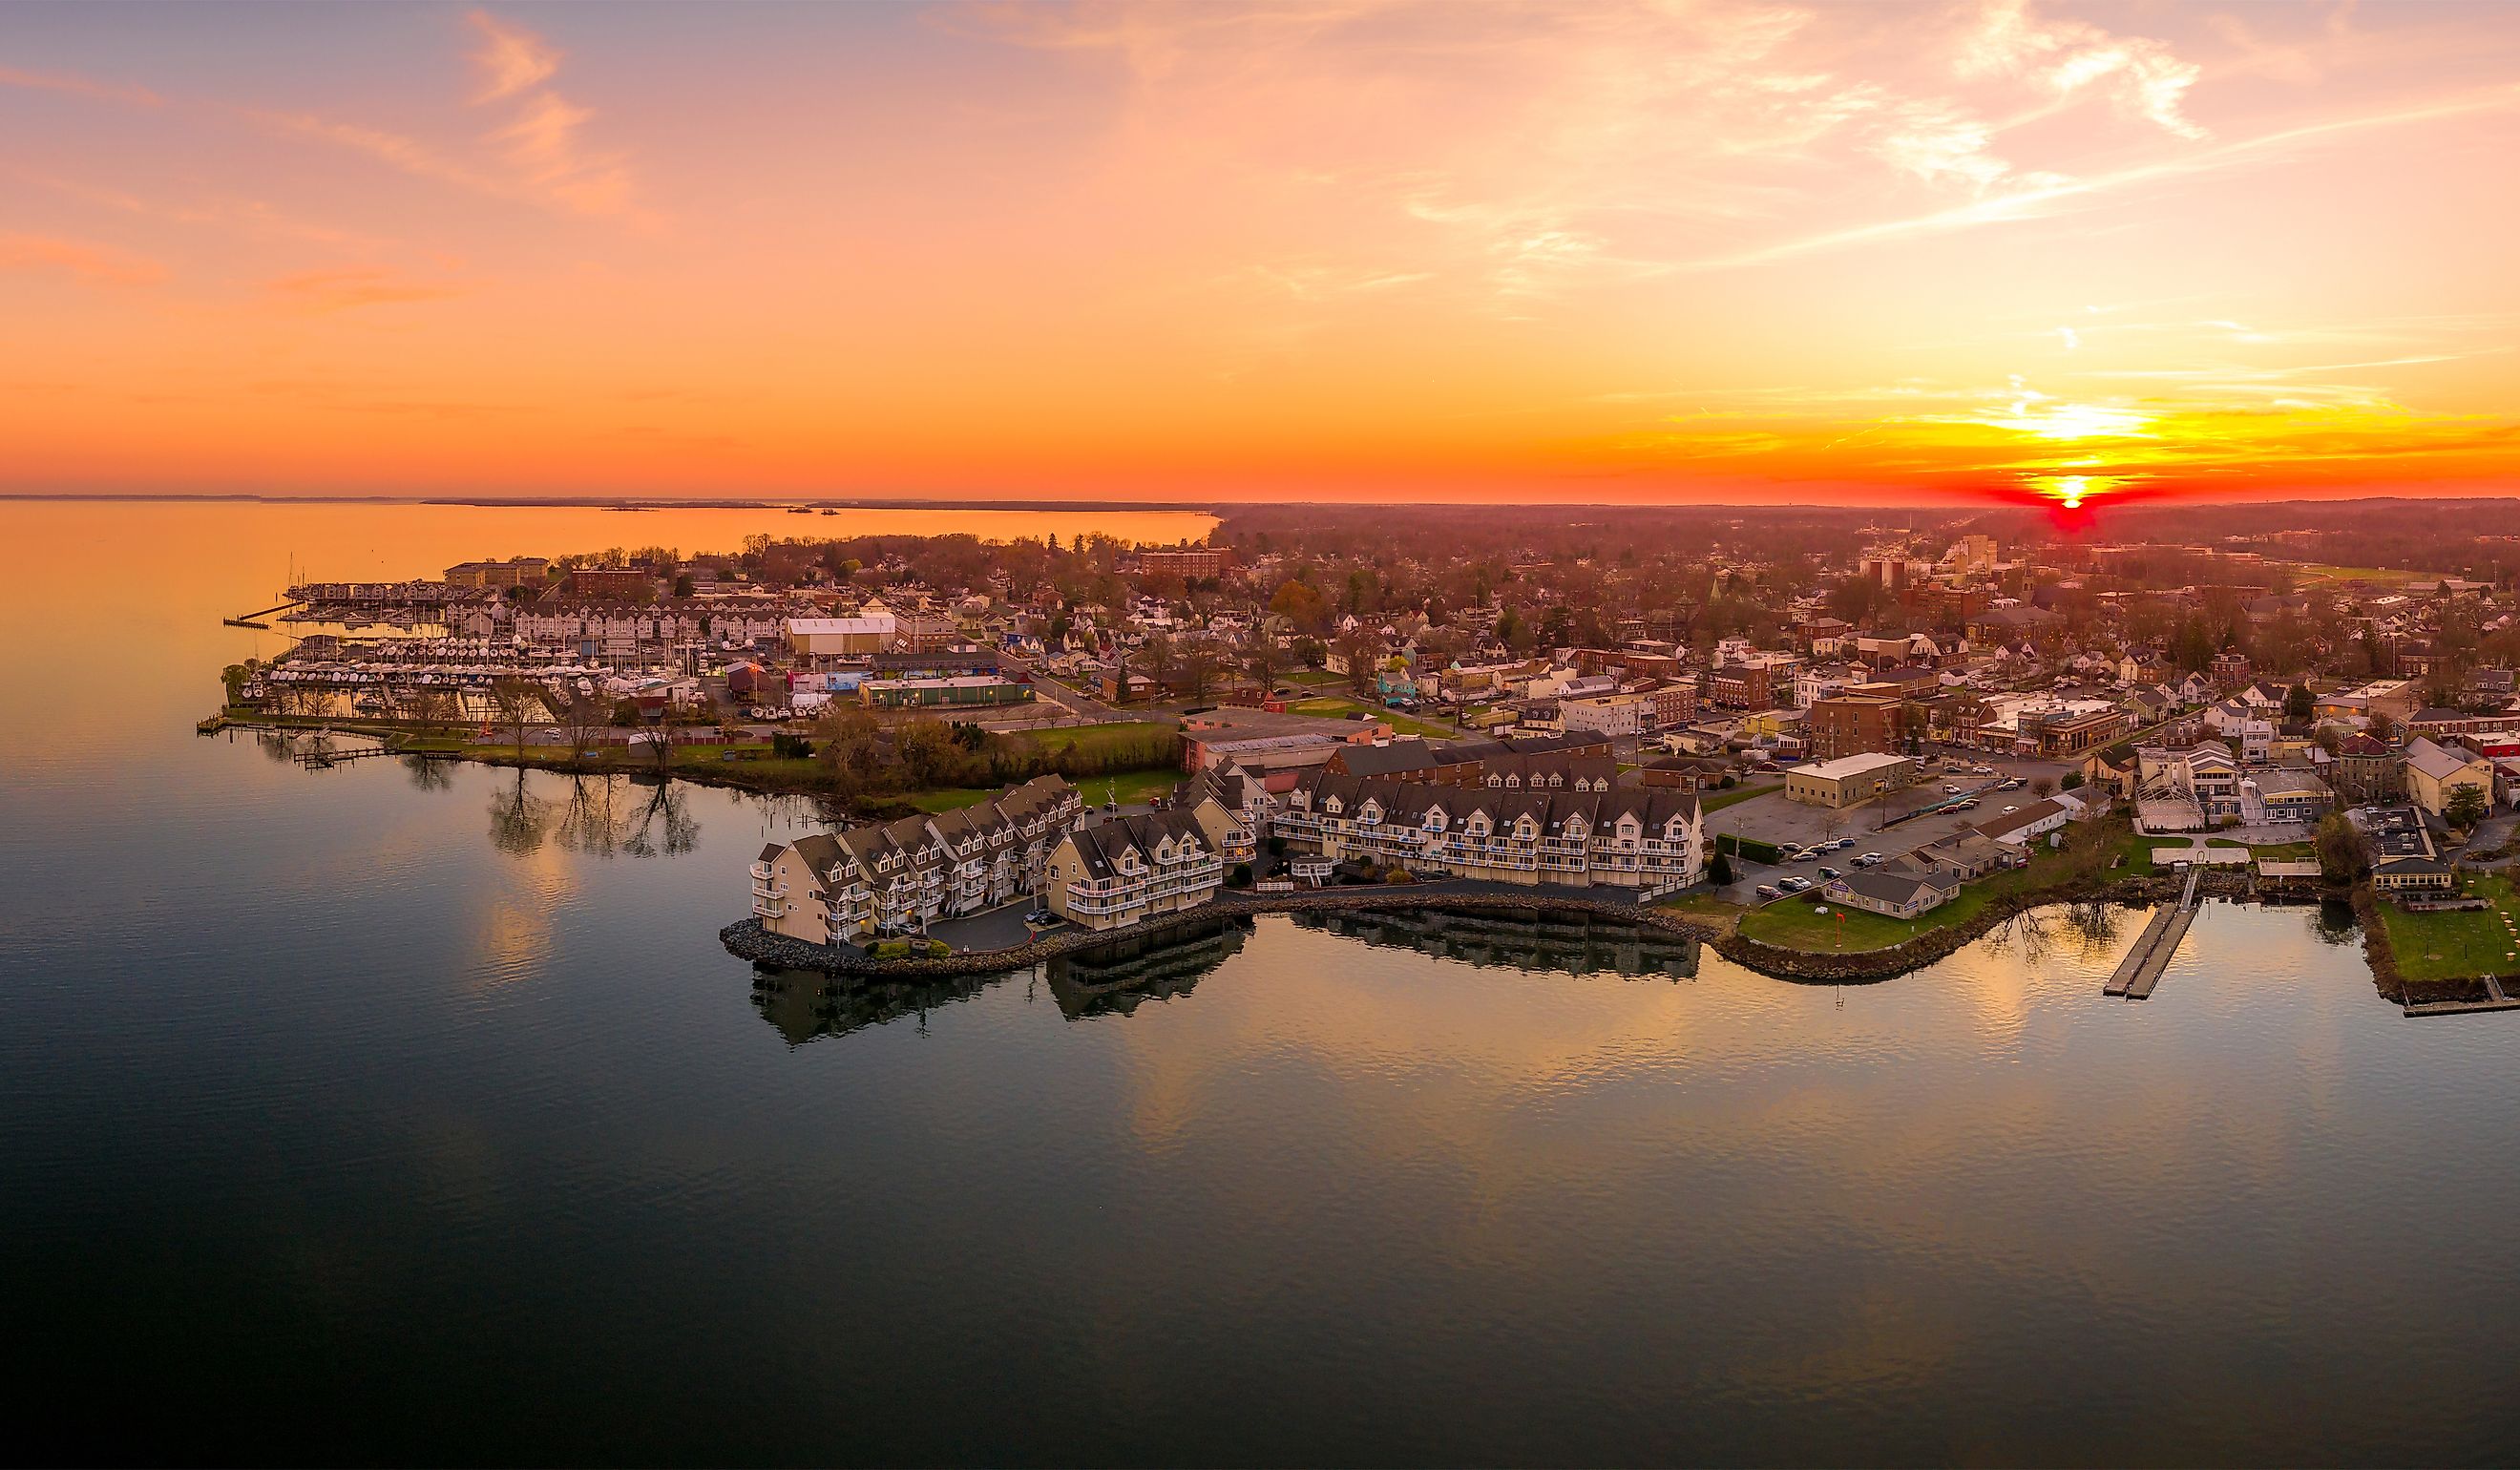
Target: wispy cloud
537, 155
82, 261
78, 87
2070, 57
342, 290
509, 59
2044, 198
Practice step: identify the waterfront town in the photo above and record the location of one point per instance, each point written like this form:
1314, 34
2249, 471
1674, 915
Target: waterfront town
1818, 732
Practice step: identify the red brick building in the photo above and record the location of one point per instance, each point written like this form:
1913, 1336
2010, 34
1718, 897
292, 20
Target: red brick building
1856, 724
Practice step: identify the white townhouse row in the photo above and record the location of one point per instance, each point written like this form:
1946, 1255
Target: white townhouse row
1131, 868
1649, 838
896, 877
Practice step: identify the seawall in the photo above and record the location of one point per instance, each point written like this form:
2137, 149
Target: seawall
748, 939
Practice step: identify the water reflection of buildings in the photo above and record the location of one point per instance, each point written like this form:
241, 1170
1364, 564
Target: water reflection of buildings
1117, 979
805, 1004
1577, 944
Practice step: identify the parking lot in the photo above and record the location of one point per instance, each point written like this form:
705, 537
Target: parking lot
1774, 819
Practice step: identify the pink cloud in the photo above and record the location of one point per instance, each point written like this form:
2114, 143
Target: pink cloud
91, 264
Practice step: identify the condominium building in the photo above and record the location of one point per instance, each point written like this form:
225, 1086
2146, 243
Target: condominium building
516, 571
896, 877
1230, 806
1131, 868
1583, 834
1189, 564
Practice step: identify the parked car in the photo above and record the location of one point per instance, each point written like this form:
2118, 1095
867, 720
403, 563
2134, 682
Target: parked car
1795, 885
1841, 844
1041, 916
1768, 891
1867, 860
1828, 873
1949, 790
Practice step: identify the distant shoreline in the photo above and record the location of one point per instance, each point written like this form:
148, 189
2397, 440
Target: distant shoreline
615, 503
1219, 508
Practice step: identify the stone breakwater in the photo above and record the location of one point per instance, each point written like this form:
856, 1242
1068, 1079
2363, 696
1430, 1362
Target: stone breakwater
748, 939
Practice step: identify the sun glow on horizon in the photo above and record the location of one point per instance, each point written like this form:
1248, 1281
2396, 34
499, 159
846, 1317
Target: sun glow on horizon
1142, 251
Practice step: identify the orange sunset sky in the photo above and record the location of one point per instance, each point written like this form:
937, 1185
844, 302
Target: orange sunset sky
1203, 252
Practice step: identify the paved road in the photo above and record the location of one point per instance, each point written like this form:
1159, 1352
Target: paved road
1074, 697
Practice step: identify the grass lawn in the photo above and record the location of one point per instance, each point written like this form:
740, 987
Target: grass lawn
2456, 946
1703, 906
1128, 786
2362, 573
1796, 923
1096, 738
1340, 707
1738, 794
948, 798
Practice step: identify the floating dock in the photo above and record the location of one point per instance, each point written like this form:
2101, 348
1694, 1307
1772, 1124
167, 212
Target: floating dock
2153, 950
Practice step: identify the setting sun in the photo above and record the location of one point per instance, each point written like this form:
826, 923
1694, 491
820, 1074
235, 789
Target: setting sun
1150, 251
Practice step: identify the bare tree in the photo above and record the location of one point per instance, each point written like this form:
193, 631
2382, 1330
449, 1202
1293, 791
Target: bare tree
585, 719
1261, 656
1198, 666
1160, 661
2043, 787
437, 708
517, 701
1359, 648
660, 743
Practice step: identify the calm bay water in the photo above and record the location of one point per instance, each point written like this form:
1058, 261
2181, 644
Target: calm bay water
394, 1113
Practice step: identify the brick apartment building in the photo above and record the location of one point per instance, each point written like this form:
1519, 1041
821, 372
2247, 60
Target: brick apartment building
1754, 682
1189, 564
1856, 724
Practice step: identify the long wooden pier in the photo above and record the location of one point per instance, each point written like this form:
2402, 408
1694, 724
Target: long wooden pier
256, 619
2151, 955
